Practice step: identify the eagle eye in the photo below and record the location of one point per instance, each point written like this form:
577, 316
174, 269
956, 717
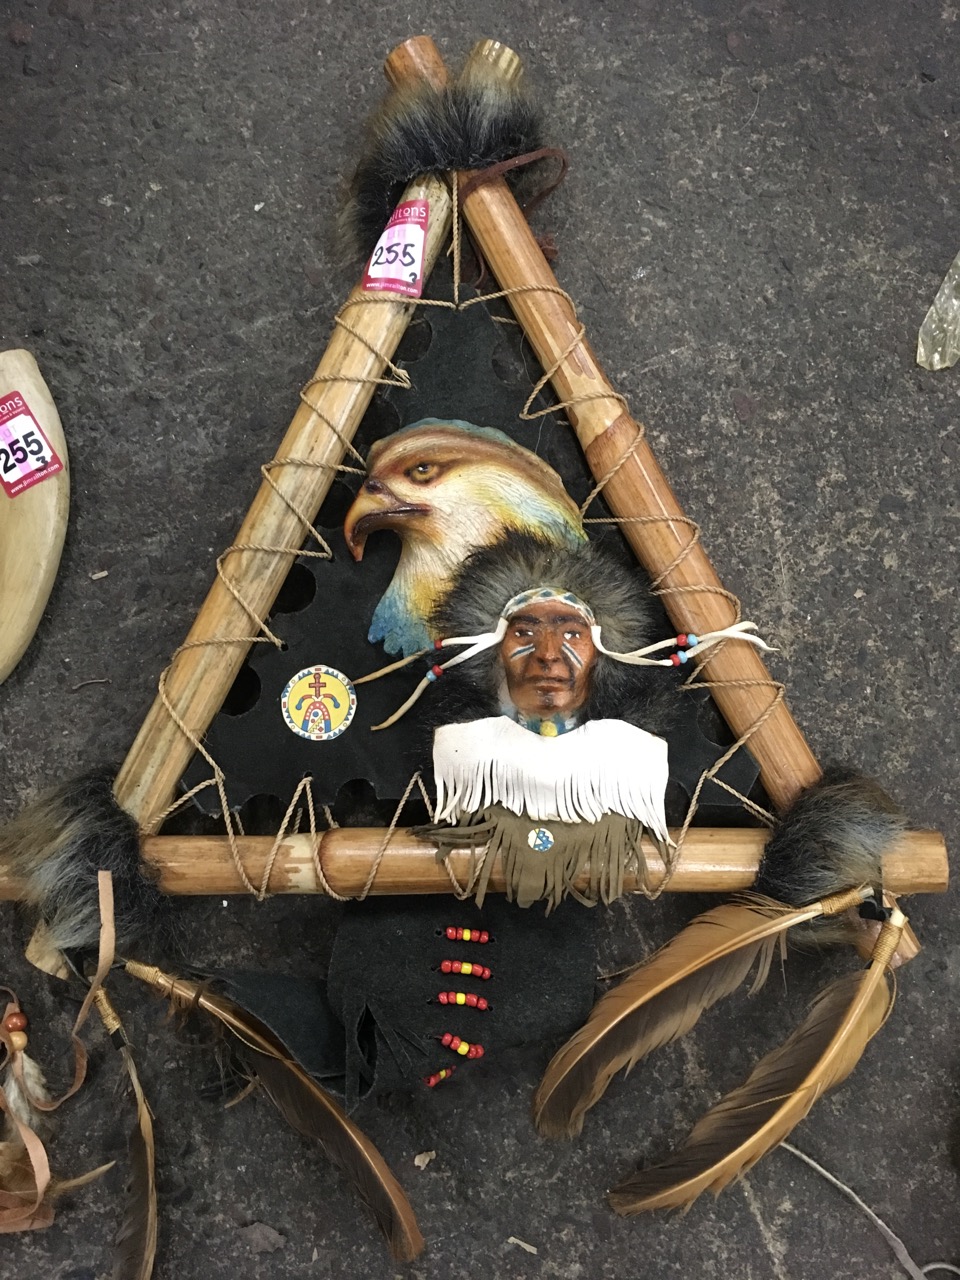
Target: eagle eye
423, 472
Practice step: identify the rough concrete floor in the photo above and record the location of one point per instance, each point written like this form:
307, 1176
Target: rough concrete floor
761, 205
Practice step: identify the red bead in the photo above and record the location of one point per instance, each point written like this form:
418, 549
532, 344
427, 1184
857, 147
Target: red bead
437, 671
454, 1043
445, 1039
451, 933
675, 659
475, 1051
484, 974
442, 997
682, 641
438, 1077
446, 966
457, 966
484, 936
459, 935
15, 1021
472, 999
438, 644
481, 1003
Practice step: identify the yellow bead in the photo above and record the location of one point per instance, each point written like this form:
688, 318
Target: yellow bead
18, 1040
461, 998
463, 1048
467, 969
548, 729
466, 935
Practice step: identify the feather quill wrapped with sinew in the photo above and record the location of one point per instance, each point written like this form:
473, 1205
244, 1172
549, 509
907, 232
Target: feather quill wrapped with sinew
663, 999
781, 1090
306, 1107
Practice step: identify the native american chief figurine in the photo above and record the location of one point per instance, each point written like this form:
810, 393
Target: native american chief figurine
548, 746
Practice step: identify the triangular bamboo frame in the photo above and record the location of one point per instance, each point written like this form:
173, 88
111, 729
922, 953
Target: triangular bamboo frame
295, 485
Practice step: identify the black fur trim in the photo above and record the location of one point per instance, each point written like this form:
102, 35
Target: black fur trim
476, 122
619, 598
55, 849
832, 838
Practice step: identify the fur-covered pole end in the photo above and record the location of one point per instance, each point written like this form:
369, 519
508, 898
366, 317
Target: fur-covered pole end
832, 838
478, 121
55, 848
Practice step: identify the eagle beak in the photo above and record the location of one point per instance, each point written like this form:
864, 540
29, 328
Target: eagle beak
374, 507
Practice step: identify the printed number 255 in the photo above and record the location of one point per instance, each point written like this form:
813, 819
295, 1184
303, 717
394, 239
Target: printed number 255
388, 255
19, 449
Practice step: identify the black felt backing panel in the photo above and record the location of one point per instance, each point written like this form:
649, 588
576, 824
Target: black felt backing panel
387, 959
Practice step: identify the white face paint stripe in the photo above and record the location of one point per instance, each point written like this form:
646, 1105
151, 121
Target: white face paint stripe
571, 653
522, 652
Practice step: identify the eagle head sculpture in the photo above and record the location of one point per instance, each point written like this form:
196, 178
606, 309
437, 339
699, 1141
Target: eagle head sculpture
448, 488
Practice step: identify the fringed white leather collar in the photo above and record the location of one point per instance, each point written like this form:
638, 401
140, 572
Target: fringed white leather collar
604, 766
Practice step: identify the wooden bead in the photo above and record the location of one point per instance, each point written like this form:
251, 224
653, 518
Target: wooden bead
18, 1041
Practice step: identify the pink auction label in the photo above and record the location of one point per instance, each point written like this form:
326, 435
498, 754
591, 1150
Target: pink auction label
26, 455
396, 265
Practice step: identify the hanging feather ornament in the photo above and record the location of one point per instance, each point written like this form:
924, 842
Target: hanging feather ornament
304, 1105
663, 999
25, 1180
28, 1191
783, 1087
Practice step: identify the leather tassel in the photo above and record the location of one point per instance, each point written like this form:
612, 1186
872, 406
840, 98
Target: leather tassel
662, 999
305, 1106
781, 1090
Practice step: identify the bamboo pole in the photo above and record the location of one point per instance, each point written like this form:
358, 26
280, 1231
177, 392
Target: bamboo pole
345, 379
713, 860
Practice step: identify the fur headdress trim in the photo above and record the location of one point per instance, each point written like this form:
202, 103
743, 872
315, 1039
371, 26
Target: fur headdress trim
560, 570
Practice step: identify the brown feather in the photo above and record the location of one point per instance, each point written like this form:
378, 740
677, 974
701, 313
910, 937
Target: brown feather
659, 1002
310, 1111
781, 1090
136, 1245
307, 1108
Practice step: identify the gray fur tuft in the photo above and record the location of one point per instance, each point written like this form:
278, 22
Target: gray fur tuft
832, 838
476, 122
55, 848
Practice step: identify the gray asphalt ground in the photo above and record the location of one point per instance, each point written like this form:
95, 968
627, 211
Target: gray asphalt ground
761, 205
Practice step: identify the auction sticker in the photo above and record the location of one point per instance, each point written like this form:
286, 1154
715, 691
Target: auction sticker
318, 703
396, 265
26, 455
